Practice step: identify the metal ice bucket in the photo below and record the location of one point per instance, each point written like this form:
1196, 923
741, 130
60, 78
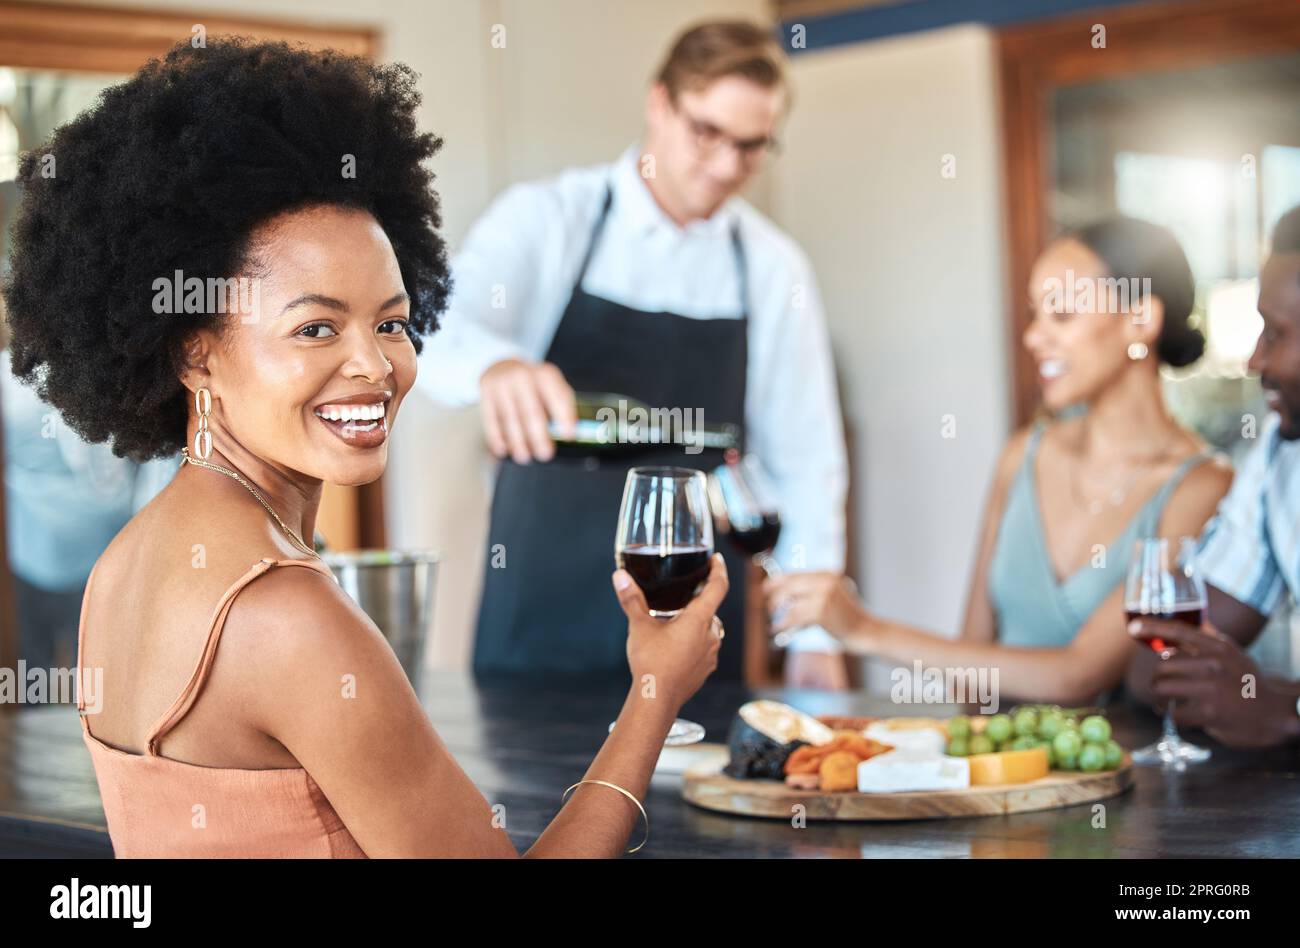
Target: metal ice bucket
396, 590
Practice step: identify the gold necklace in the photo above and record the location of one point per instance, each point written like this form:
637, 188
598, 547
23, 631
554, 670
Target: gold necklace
297, 540
1118, 494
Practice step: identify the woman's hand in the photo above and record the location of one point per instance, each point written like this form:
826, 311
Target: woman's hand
826, 599
671, 658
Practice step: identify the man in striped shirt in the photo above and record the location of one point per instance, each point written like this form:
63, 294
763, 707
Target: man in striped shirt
1250, 551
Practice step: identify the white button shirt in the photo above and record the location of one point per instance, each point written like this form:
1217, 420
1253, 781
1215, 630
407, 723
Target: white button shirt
511, 283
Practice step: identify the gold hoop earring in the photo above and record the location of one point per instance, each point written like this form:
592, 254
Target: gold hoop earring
1137, 351
203, 437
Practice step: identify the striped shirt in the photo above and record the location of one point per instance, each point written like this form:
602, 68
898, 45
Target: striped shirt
1251, 547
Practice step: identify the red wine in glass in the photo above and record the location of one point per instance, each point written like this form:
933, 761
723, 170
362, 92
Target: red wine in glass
744, 506
1189, 615
668, 577
756, 537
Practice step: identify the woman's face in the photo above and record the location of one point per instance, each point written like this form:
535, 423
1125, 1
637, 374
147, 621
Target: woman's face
1078, 343
311, 377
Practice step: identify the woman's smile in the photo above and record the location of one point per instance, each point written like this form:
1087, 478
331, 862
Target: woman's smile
359, 420
1049, 370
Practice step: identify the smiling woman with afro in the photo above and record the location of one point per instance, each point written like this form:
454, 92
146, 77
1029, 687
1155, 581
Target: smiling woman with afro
276, 703
172, 171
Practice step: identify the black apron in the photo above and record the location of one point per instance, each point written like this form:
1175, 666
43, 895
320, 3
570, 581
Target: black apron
548, 602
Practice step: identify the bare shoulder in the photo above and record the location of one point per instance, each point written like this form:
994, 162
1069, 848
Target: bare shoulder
1013, 455
290, 612
298, 636
1202, 487
210, 532
1197, 495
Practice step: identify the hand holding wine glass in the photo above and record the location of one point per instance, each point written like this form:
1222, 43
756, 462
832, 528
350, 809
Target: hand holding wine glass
1163, 587
1206, 675
679, 653
664, 543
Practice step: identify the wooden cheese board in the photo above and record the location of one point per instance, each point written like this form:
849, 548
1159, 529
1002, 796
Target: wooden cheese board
705, 786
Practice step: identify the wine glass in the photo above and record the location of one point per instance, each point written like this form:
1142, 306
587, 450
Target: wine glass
746, 512
744, 506
1163, 583
665, 542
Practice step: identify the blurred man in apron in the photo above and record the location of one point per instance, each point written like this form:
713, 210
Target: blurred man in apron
650, 278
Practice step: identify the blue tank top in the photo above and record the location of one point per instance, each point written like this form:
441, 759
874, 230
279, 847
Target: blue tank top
1033, 608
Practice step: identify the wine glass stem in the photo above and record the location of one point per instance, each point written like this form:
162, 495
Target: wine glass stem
1171, 730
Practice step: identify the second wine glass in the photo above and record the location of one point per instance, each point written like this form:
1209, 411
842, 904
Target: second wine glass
746, 511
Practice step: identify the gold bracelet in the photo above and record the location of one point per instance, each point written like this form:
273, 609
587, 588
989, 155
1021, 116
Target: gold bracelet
612, 786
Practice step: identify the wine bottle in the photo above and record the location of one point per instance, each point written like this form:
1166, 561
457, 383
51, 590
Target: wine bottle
616, 423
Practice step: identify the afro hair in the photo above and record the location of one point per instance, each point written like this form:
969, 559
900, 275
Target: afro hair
174, 169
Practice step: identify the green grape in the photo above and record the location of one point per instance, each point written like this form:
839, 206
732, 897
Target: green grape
1068, 762
959, 727
1024, 742
999, 729
1025, 722
1114, 755
1050, 725
959, 747
1095, 729
1092, 758
980, 744
1067, 744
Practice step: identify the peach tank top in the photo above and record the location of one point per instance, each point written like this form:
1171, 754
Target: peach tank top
152, 803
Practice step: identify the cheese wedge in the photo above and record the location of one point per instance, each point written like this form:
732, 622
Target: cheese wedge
900, 770
1019, 766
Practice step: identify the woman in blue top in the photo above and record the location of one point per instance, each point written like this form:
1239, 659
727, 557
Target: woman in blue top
1069, 495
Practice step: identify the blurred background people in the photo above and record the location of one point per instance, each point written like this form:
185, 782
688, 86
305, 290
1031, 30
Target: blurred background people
648, 277
64, 500
1110, 304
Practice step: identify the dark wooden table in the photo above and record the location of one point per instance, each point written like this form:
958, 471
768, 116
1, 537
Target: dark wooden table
523, 741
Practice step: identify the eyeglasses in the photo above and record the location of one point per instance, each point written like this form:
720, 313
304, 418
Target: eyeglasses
708, 138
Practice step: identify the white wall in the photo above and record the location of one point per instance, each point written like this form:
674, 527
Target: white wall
910, 265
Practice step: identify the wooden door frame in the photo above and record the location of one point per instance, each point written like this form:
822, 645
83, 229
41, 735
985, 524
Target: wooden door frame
119, 40
1036, 58
122, 39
